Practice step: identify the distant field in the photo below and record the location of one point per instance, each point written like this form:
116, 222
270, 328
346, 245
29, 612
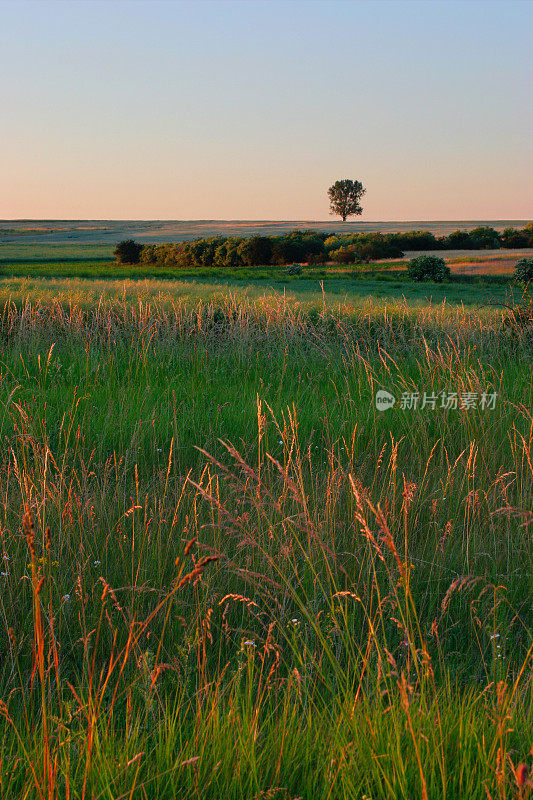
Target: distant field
475, 262
110, 231
53, 252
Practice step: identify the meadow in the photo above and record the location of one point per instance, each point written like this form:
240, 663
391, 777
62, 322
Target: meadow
227, 573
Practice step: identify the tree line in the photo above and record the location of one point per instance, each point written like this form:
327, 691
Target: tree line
313, 247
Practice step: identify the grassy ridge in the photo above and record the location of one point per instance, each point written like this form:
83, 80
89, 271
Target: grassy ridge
364, 626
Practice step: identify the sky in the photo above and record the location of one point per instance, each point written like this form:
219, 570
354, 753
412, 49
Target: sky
113, 109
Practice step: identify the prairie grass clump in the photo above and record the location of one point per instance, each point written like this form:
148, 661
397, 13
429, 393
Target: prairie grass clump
225, 572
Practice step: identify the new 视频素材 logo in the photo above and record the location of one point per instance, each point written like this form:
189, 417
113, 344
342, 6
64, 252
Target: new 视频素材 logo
463, 401
384, 400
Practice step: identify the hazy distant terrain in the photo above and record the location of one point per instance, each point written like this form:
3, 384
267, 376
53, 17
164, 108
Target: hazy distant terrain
109, 231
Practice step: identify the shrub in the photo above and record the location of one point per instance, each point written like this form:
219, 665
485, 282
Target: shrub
485, 238
255, 251
480, 238
366, 251
428, 268
363, 247
345, 255
169, 255
307, 246
512, 238
201, 252
523, 271
373, 246
227, 254
416, 240
128, 252
458, 240
149, 254
285, 250
337, 240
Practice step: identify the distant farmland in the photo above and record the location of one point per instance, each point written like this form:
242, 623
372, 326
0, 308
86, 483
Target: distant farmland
110, 231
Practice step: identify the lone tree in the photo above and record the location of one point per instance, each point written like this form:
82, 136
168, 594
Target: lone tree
344, 197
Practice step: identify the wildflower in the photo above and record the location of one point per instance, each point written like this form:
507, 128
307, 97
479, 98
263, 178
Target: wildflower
97, 563
250, 643
4, 574
65, 598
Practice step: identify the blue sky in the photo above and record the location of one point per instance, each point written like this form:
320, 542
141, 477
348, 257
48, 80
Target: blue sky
249, 110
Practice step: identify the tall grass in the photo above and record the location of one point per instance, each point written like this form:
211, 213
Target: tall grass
227, 574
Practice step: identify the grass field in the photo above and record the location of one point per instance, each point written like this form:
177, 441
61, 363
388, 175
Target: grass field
226, 573
30, 253
70, 269
85, 259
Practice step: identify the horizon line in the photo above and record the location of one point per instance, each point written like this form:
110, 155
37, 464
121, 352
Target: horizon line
235, 219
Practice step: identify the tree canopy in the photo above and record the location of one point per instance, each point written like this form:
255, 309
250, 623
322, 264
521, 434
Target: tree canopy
344, 198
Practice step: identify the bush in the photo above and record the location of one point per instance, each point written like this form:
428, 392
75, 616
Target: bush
416, 240
363, 247
367, 251
227, 254
201, 252
428, 268
170, 255
485, 238
255, 251
373, 246
523, 271
481, 238
511, 237
305, 246
338, 240
345, 255
128, 252
458, 240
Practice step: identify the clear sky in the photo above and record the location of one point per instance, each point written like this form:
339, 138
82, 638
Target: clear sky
250, 110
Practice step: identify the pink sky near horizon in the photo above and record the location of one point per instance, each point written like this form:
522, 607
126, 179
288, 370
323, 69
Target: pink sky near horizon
227, 110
